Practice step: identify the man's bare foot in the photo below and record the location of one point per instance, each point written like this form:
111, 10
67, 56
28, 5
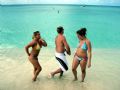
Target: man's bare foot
50, 75
61, 74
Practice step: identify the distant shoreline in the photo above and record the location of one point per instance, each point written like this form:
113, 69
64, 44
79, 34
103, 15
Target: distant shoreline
82, 5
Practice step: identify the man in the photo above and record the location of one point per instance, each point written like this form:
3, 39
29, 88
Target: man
61, 47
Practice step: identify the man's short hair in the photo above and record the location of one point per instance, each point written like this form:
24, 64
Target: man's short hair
60, 29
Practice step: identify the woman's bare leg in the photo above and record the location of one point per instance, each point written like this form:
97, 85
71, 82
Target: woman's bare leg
34, 70
37, 67
83, 64
74, 67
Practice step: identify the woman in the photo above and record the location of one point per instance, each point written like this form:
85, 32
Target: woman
83, 54
36, 45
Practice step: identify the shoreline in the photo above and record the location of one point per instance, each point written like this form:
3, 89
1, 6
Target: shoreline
17, 71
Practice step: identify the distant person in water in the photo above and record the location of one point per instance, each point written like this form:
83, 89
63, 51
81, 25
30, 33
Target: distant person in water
82, 55
61, 47
58, 11
36, 45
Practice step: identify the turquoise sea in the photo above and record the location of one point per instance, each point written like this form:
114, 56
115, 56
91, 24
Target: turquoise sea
17, 24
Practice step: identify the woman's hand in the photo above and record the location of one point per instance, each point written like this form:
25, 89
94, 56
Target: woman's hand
89, 64
43, 42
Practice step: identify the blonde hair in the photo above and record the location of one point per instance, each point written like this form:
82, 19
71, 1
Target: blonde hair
34, 34
33, 37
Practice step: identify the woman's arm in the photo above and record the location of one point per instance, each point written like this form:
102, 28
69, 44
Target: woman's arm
75, 53
89, 53
28, 46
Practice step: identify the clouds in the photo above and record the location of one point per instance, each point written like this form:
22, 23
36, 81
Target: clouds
100, 2
93, 2
39, 1
15, 1
9, 1
56, 1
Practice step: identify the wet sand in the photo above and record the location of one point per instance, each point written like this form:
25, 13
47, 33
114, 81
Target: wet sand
16, 71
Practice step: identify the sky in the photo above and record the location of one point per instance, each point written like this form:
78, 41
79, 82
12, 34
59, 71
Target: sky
88, 2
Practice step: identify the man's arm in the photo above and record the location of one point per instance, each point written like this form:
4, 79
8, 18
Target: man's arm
66, 46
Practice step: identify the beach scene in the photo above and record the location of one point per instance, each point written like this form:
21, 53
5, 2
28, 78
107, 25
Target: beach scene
19, 21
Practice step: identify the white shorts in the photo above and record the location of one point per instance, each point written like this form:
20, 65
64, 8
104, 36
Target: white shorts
62, 61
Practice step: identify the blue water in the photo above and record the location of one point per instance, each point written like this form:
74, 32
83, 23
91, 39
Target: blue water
17, 23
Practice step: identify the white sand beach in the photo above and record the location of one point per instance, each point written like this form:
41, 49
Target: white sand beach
16, 71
